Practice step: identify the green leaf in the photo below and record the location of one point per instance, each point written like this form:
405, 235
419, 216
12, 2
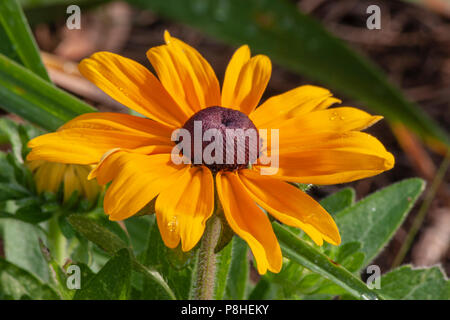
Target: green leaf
99, 216
155, 285
7, 48
10, 191
301, 44
81, 250
291, 281
8, 127
338, 201
261, 290
30, 210
111, 243
34, 99
58, 275
406, 283
138, 228
347, 249
374, 220
112, 282
97, 233
239, 270
223, 264
20, 38
304, 254
16, 283
159, 257
21, 245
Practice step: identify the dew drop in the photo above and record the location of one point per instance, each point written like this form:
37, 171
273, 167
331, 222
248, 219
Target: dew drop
172, 224
334, 115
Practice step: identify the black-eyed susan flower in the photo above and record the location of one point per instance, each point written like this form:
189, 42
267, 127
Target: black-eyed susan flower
316, 145
50, 176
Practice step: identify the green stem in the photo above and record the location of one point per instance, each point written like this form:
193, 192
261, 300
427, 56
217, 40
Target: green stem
420, 217
204, 281
57, 241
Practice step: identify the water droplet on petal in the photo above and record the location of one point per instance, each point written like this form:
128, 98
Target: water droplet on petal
172, 224
334, 115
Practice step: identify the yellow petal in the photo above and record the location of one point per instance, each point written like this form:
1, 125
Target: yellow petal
86, 138
237, 62
136, 180
244, 83
331, 158
48, 175
249, 222
82, 146
119, 122
185, 74
291, 206
134, 86
336, 119
90, 189
300, 131
71, 182
183, 208
295, 102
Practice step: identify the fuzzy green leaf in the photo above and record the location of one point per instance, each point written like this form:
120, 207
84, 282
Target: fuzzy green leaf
138, 228
374, 220
239, 270
21, 244
407, 283
338, 201
301, 252
222, 271
111, 243
112, 282
174, 266
97, 233
16, 283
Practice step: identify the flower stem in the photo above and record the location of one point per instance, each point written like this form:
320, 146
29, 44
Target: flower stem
57, 241
204, 281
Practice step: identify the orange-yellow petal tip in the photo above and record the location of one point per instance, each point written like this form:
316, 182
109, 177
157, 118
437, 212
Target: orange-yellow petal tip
244, 49
93, 173
112, 218
167, 36
30, 144
374, 120
389, 161
335, 239
276, 268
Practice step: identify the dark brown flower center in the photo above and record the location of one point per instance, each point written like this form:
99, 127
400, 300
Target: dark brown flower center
221, 139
